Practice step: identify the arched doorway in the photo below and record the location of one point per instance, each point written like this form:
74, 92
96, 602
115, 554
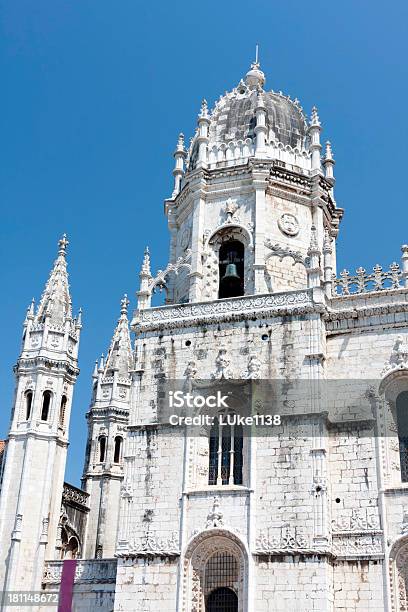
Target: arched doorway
222, 600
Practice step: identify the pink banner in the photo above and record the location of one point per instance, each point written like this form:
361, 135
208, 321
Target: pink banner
67, 585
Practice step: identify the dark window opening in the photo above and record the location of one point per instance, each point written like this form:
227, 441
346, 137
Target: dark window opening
28, 403
46, 405
62, 410
222, 600
231, 269
402, 424
102, 449
117, 456
225, 455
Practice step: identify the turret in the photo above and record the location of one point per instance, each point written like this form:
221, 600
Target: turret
107, 419
37, 443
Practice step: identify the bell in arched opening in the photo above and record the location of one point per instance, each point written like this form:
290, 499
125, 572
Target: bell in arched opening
231, 269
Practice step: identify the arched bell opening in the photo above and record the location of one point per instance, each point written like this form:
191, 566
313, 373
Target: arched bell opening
402, 427
231, 269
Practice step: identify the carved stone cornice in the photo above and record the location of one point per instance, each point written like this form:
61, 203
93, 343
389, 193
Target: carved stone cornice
232, 309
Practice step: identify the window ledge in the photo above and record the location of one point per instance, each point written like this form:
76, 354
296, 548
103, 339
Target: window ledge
219, 490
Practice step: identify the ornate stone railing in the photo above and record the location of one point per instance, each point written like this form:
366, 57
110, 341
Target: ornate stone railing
364, 282
241, 308
75, 495
87, 571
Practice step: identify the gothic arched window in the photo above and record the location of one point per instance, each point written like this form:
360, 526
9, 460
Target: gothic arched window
46, 403
231, 269
62, 410
402, 423
28, 403
102, 448
117, 455
225, 455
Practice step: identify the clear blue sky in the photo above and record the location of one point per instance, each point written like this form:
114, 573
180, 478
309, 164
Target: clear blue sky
94, 95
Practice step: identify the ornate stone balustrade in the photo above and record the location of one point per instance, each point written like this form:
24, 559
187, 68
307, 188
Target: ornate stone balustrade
242, 308
363, 282
87, 571
75, 495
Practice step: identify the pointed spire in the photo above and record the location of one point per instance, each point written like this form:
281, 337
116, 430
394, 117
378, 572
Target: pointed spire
180, 155
79, 318
120, 352
95, 370
101, 363
56, 301
314, 134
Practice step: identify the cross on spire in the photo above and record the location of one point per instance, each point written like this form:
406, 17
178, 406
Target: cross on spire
63, 243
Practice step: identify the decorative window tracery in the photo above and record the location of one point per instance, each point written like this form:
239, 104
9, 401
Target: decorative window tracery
225, 454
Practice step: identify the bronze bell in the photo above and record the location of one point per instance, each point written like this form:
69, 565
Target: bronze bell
230, 272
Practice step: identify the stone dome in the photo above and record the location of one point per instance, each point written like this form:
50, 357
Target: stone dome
233, 117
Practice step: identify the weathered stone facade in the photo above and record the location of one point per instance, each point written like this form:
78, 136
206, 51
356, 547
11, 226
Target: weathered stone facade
313, 513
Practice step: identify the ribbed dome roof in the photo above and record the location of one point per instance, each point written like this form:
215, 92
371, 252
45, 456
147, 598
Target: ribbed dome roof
234, 117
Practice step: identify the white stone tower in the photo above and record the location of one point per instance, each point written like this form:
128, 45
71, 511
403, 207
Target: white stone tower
107, 420
37, 443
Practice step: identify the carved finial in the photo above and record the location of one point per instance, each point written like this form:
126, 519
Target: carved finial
327, 241
146, 262
204, 109
124, 303
314, 120
329, 152
180, 141
79, 318
30, 310
95, 370
102, 363
63, 243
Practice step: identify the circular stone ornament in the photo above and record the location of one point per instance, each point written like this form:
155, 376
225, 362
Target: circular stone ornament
288, 224
185, 238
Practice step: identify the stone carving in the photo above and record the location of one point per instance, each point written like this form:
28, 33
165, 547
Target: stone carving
126, 490
222, 363
362, 282
242, 308
353, 545
399, 357
215, 517
358, 521
230, 208
288, 540
404, 528
159, 281
288, 224
72, 494
151, 544
87, 571
253, 370
281, 252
